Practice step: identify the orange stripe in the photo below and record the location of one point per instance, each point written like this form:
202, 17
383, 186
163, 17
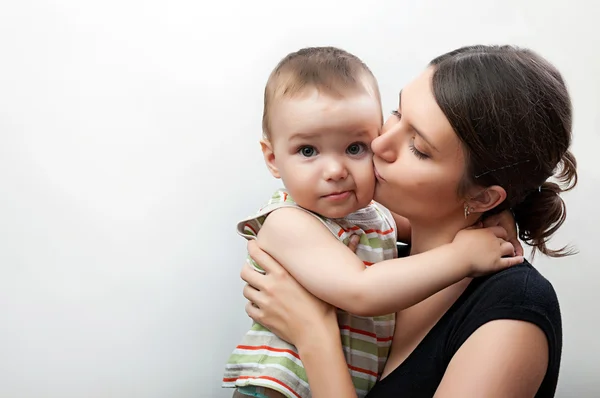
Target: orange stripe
342, 230
234, 379
265, 347
368, 264
226, 380
365, 333
369, 372
370, 231
250, 227
284, 196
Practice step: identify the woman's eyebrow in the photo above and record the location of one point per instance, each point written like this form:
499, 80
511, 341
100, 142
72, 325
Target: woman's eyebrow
419, 133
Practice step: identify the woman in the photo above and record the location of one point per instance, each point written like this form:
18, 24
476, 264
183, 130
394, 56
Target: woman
481, 130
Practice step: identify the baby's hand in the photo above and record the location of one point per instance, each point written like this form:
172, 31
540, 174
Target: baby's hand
486, 250
353, 244
506, 221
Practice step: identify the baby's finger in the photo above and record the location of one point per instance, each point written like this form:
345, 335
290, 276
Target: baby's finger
353, 244
508, 262
506, 248
491, 221
477, 225
499, 232
518, 246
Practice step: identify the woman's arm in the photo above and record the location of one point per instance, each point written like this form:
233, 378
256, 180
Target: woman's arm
503, 358
325, 364
280, 303
403, 230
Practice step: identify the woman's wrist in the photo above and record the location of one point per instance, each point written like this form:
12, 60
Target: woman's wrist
319, 333
321, 353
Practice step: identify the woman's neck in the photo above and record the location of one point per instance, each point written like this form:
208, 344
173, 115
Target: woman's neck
425, 237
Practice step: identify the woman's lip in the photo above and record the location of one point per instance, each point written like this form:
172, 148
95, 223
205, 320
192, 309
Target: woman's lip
378, 176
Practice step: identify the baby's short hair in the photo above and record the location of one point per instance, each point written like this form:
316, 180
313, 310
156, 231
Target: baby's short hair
328, 69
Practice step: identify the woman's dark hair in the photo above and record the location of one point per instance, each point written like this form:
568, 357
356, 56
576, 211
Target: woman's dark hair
512, 111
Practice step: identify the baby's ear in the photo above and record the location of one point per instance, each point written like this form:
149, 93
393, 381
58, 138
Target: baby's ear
487, 199
269, 155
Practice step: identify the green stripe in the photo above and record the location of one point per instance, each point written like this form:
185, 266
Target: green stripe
362, 384
359, 345
383, 352
377, 243
359, 382
389, 317
254, 263
259, 327
269, 360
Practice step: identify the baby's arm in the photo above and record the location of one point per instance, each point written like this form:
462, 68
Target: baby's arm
504, 219
332, 272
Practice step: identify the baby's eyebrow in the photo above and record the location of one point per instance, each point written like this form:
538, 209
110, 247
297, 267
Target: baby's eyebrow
305, 135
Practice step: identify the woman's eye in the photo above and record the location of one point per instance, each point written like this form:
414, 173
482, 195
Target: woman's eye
307, 151
397, 114
417, 153
356, 149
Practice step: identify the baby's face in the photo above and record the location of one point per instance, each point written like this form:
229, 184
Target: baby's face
322, 150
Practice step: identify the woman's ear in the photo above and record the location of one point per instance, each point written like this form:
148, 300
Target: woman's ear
486, 199
269, 155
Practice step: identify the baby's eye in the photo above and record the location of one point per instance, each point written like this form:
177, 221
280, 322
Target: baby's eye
356, 149
307, 151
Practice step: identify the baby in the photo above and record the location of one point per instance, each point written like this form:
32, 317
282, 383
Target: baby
322, 110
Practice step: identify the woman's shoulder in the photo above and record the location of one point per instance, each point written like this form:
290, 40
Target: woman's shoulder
518, 293
519, 287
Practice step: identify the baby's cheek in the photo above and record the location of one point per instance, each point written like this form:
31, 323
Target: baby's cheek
367, 183
368, 169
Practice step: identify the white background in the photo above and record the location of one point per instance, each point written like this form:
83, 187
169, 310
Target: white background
129, 148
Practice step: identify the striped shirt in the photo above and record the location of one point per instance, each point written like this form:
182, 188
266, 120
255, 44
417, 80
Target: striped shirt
264, 360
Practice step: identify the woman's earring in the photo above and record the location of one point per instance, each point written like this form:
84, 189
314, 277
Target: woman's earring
467, 210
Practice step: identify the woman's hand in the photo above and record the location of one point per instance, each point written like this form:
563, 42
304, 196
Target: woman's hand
278, 302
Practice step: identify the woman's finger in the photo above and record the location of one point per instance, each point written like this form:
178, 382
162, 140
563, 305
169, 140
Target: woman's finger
253, 312
252, 295
252, 276
262, 258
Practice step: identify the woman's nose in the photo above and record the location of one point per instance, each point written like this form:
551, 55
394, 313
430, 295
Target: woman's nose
384, 146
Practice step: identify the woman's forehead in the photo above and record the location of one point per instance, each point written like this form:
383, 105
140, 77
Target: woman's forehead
421, 111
